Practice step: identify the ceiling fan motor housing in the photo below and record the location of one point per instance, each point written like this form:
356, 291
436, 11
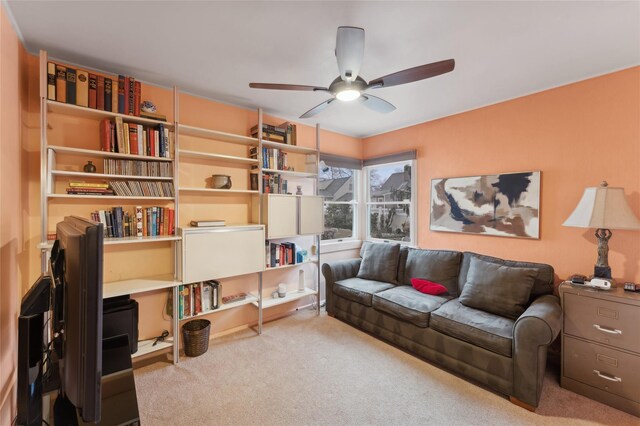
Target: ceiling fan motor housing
349, 52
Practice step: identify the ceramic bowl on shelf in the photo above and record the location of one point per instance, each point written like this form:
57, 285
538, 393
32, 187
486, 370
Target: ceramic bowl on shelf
221, 181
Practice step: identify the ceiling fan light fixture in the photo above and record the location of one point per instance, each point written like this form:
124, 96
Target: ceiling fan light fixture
348, 95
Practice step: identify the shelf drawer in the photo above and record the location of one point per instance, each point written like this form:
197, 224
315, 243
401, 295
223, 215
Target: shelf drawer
604, 368
611, 323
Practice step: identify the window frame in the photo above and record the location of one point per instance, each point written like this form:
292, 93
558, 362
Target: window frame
356, 207
365, 215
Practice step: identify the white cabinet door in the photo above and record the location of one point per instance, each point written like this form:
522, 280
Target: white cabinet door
311, 215
282, 216
224, 252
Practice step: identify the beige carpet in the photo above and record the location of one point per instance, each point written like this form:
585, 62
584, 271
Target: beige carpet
317, 370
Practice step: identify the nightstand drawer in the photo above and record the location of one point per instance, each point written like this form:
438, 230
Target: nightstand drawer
607, 369
611, 323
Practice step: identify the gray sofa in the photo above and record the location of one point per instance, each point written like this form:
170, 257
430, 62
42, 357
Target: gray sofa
498, 338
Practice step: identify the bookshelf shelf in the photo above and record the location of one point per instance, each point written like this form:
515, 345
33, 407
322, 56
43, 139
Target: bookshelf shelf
218, 157
84, 112
216, 135
138, 285
146, 347
106, 197
218, 191
96, 153
223, 307
291, 266
124, 240
289, 148
291, 173
107, 176
290, 297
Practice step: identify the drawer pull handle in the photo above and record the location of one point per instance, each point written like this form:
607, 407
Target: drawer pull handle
607, 330
607, 377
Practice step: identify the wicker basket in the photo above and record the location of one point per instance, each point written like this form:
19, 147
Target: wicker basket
196, 337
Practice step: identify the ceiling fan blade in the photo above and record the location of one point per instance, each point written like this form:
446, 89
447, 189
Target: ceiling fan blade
376, 104
349, 51
414, 74
318, 108
275, 86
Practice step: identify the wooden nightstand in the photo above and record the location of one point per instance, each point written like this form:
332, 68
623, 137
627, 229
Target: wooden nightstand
601, 345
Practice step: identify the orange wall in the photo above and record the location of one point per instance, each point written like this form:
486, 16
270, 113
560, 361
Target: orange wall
577, 135
13, 91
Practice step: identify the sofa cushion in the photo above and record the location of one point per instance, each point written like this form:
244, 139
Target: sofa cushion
499, 289
440, 266
484, 329
380, 262
359, 290
408, 304
543, 283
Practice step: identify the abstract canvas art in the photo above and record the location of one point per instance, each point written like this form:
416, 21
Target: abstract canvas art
507, 205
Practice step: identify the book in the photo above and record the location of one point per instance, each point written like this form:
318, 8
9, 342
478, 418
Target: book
121, 94
82, 88
105, 135
139, 221
137, 93
71, 86
120, 135
51, 81
181, 302
208, 222
131, 96
114, 95
61, 83
125, 132
197, 298
140, 132
93, 91
153, 116
206, 296
100, 92
133, 139
108, 90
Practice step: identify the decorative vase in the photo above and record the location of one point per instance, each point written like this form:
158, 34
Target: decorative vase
301, 280
299, 191
89, 167
221, 181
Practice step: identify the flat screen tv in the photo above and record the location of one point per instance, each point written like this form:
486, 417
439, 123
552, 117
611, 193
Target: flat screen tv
77, 312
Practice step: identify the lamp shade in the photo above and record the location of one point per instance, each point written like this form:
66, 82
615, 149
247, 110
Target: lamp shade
604, 208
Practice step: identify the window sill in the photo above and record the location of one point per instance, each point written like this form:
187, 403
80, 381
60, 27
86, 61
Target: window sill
335, 246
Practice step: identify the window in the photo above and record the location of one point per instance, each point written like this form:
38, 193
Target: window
390, 203
340, 203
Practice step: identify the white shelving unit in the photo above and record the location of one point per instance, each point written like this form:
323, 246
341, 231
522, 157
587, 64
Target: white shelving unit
291, 296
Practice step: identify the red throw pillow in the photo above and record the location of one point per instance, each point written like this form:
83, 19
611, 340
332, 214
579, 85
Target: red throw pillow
428, 287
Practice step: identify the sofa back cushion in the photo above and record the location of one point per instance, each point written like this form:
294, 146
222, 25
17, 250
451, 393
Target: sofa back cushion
542, 284
499, 289
439, 266
380, 262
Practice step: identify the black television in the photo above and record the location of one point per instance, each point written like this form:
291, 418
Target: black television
64, 353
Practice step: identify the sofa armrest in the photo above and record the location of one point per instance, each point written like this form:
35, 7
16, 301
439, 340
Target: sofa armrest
336, 271
533, 332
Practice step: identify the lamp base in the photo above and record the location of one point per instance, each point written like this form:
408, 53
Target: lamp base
602, 271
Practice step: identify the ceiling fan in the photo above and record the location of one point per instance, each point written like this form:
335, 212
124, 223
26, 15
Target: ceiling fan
349, 86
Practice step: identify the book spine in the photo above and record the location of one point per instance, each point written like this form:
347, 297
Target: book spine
131, 96
120, 135
156, 147
136, 98
133, 139
166, 144
51, 81
93, 91
145, 229
82, 88
100, 92
140, 139
125, 131
61, 83
152, 142
181, 302
154, 218
139, 221
105, 135
121, 94
108, 94
71, 86
160, 140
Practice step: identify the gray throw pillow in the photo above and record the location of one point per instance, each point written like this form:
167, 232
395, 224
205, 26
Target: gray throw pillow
380, 262
499, 289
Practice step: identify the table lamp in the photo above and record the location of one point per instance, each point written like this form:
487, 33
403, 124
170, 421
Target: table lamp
603, 208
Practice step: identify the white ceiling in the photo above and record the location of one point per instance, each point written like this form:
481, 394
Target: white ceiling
502, 50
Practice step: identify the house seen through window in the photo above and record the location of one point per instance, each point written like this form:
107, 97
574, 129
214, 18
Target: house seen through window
340, 203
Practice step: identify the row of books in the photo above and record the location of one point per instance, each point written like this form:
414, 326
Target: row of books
271, 184
136, 139
284, 133
142, 188
115, 166
89, 188
141, 222
197, 298
271, 159
280, 254
92, 90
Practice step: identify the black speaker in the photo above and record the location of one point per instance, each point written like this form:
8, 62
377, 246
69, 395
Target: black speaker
120, 316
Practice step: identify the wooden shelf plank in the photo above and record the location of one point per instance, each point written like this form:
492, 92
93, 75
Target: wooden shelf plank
289, 148
218, 191
290, 297
223, 307
106, 175
291, 173
138, 285
290, 266
219, 157
216, 135
96, 153
106, 197
146, 346
84, 112
125, 240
